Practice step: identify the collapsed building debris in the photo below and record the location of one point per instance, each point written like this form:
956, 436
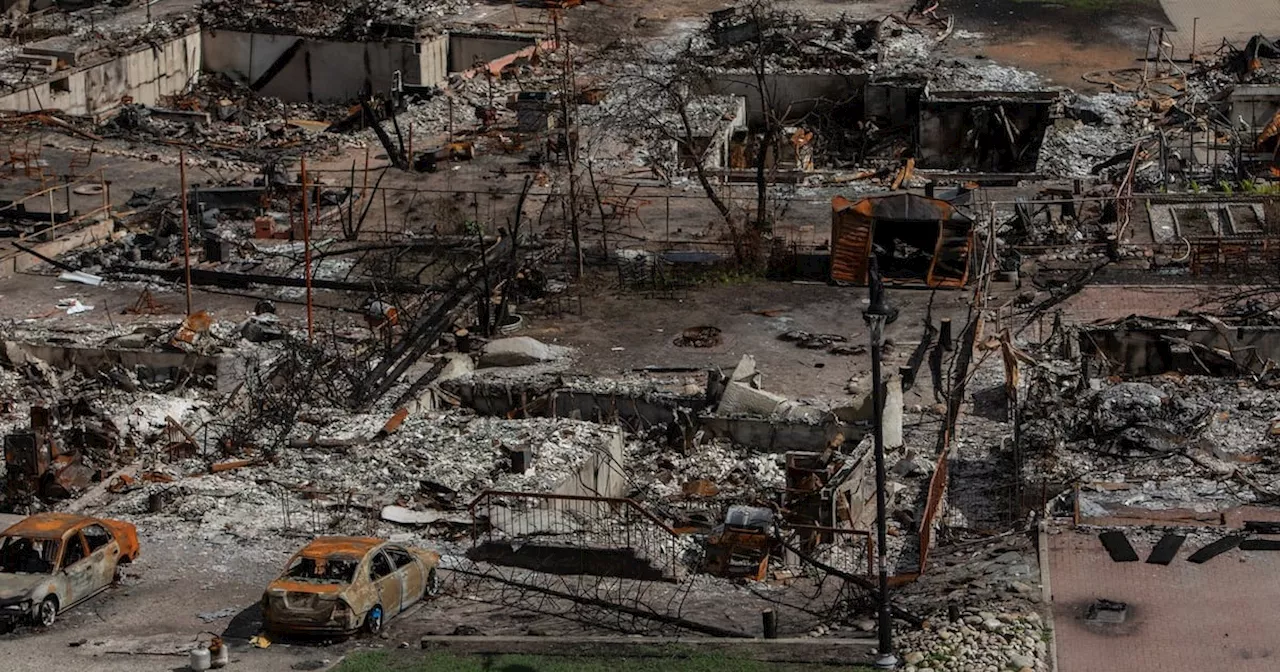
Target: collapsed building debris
398, 260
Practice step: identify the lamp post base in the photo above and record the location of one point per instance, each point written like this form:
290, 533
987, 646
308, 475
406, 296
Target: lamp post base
887, 661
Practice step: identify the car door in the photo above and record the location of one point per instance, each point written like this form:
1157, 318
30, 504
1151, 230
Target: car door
104, 554
410, 571
78, 569
387, 582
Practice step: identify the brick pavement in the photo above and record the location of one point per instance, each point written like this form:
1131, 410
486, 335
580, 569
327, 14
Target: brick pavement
1213, 617
1109, 302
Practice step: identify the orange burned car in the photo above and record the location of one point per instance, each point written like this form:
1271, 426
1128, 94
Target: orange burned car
50, 562
338, 585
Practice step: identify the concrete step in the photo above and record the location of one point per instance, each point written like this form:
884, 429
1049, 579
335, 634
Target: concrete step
41, 62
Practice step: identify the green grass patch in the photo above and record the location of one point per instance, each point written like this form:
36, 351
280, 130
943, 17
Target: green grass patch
411, 661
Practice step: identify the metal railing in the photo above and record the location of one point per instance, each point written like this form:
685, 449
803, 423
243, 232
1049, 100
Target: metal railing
582, 521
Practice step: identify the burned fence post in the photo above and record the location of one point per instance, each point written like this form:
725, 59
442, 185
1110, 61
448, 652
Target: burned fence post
770, 623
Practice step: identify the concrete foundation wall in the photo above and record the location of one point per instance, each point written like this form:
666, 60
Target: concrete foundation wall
791, 95
600, 475
21, 261
1255, 104
146, 75
433, 62
469, 50
777, 436
323, 70
88, 360
1147, 352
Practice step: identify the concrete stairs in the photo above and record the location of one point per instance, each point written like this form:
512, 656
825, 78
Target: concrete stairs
39, 62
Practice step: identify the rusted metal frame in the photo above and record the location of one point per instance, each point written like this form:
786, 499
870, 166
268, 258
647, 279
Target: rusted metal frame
937, 249
78, 220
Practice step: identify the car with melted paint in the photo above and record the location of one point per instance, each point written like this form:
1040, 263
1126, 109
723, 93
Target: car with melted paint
50, 562
340, 585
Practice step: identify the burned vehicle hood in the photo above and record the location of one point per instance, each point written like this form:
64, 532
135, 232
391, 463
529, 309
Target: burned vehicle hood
18, 586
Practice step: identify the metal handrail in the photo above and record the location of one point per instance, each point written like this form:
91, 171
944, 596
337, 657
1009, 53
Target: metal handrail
626, 501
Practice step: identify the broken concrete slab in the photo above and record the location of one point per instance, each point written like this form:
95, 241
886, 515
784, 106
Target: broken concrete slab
403, 516
519, 351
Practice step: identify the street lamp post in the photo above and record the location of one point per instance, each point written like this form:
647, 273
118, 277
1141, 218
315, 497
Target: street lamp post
877, 315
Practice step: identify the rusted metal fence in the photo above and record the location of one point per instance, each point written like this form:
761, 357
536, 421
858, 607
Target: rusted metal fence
56, 228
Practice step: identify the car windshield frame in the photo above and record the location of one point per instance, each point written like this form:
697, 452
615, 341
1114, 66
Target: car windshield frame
323, 570
44, 561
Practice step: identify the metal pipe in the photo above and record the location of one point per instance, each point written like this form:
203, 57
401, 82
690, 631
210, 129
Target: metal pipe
887, 658
186, 234
1195, 25
306, 249
877, 315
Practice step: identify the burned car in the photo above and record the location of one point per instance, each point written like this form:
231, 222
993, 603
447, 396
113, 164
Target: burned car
51, 562
339, 585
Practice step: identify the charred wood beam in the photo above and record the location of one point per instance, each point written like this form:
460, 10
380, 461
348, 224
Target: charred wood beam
429, 326
422, 381
276, 66
394, 154
47, 260
916, 360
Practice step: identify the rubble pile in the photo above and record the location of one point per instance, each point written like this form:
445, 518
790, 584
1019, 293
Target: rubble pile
983, 605
331, 19
1146, 428
737, 39
454, 456
733, 472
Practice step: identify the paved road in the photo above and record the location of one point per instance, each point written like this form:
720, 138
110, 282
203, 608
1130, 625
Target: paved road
1234, 20
150, 621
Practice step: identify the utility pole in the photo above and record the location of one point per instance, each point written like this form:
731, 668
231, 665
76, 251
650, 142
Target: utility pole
186, 235
877, 315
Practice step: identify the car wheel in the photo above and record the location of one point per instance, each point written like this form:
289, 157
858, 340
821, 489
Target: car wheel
373, 620
434, 586
47, 612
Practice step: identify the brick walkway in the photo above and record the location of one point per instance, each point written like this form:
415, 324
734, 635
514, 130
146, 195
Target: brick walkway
1111, 302
1220, 615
